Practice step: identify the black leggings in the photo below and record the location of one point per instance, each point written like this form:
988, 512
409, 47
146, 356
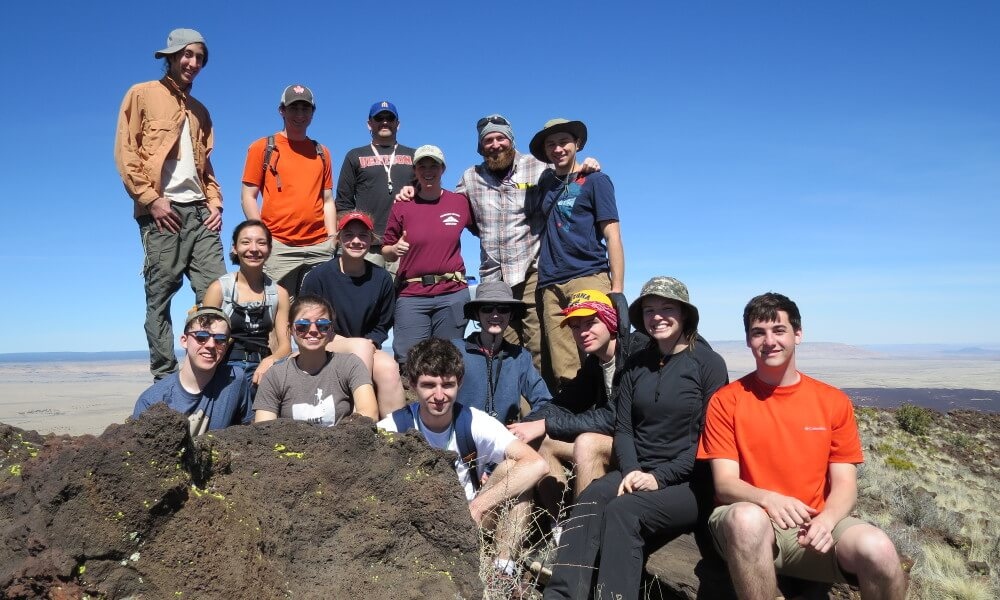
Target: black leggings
615, 528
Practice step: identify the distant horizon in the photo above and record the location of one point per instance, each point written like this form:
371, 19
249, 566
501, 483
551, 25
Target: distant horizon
973, 349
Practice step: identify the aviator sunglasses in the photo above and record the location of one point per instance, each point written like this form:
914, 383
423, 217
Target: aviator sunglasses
202, 337
302, 325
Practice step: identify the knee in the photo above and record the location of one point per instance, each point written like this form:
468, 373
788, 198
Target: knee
746, 524
875, 553
620, 516
384, 366
589, 447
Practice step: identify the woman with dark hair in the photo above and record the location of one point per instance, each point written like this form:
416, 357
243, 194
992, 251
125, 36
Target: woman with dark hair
656, 493
255, 305
497, 373
315, 385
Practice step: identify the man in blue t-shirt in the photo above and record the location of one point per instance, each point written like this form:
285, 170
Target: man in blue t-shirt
209, 394
581, 245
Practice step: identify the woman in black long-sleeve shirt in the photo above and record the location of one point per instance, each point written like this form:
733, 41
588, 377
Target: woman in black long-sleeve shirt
660, 411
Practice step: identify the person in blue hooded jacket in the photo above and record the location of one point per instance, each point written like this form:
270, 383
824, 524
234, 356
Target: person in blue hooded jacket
498, 373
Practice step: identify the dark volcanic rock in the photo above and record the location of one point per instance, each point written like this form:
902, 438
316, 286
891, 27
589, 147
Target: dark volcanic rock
277, 510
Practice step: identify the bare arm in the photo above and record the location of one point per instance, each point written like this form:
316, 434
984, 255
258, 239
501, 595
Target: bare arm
259, 416
521, 470
248, 198
330, 214
282, 341
365, 402
616, 254
786, 511
396, 251
818, 534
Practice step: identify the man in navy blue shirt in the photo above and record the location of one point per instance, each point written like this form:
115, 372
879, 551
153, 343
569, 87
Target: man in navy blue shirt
581, 245
209, 394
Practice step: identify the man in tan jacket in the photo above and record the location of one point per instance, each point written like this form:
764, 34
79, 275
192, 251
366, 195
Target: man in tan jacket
162, 149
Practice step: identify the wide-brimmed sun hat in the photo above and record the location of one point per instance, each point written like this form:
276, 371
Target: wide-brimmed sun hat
575, 128
670, 289
495, 292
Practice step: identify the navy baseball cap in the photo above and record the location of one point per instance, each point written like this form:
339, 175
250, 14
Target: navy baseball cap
383, 106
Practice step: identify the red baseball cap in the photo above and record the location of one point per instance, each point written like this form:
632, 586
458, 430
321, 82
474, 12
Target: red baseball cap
355, 215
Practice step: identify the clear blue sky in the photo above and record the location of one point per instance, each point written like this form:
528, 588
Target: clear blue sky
844, 153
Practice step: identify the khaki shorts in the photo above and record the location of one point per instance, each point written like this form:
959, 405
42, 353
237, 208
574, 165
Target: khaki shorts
790, 558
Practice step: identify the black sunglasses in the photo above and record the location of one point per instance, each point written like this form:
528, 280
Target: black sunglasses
384, 118
302, 326
500, 309
494, 119
202, 337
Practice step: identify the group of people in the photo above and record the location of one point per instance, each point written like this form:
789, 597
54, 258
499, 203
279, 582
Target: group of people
658, 440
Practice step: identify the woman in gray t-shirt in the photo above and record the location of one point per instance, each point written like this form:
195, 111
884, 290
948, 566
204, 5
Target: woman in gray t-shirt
315, 385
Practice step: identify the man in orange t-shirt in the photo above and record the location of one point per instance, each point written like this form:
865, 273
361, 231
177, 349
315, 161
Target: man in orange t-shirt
784, 450
297, 189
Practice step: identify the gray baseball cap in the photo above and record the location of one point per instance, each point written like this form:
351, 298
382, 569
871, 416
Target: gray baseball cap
178, 39
295, 93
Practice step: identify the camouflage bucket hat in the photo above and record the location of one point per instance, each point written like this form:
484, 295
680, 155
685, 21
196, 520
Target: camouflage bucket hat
664, 287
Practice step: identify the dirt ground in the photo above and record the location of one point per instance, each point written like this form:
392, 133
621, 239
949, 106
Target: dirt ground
278, 510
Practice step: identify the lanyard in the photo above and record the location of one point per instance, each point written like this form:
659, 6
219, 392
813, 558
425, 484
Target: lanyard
387, 167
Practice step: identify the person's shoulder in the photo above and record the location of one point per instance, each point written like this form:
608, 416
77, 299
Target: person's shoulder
143, 86
704, 354
823, 388
160, 387
358, 151
407, 150
734, 390
346, 361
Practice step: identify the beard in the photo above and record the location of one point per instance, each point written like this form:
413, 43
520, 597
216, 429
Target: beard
501, 162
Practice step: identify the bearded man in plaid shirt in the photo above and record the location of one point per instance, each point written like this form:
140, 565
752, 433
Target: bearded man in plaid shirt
508, 237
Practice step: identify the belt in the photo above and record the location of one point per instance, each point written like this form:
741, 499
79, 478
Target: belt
432, 279
240, 354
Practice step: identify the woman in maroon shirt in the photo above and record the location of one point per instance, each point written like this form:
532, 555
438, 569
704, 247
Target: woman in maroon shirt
425, 237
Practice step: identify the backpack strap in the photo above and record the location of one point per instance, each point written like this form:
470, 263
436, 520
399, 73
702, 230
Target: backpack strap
228, 282
271, 148
271, 296
466, 444
406, 417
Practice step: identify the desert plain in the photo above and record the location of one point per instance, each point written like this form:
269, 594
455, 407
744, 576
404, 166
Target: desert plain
85, 397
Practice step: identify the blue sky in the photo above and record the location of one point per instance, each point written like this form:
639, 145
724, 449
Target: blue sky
846, 154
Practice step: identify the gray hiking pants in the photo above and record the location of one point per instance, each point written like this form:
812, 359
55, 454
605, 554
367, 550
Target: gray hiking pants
196, 252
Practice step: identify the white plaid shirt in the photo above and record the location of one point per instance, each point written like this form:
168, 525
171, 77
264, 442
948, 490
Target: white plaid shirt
508, 238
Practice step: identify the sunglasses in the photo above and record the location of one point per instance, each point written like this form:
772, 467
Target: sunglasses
384, 118
493, 119
202, 337
302, 326
500, 309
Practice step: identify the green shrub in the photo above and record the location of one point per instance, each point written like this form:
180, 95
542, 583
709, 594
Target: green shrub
914, 419
899, 463
960, 441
